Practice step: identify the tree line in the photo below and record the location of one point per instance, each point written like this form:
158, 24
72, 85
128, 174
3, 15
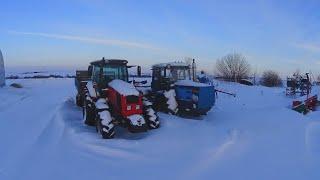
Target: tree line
235, 67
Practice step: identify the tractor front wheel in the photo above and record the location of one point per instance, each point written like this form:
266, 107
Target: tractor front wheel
104, 124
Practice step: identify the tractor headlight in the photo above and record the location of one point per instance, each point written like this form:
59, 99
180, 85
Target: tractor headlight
128, 108
194, 106
137, 107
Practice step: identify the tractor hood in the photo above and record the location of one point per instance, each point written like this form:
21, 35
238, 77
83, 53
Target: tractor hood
124, 88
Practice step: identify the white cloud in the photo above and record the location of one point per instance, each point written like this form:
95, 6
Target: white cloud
308, 46
113, 42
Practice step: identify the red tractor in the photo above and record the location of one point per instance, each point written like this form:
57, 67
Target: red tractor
108, 99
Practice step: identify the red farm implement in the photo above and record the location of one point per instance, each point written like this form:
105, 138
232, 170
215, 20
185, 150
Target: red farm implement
301, 86
304, 106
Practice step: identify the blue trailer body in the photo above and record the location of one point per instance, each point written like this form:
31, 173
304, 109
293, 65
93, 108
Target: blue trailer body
195, 99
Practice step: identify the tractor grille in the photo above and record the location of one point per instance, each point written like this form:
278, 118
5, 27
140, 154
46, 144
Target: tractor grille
132, 99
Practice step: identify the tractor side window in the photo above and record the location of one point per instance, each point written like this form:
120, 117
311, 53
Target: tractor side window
156, 74
189, 77
96, 74
163, 73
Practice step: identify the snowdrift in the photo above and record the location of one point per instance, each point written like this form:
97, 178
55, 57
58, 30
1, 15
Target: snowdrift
253, 136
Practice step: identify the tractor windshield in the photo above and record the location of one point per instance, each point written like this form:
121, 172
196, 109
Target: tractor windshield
179, 73
112, 72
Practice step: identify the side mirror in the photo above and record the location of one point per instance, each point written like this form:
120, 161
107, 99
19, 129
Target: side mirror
139, 71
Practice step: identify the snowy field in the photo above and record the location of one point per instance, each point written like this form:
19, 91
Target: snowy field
253, 136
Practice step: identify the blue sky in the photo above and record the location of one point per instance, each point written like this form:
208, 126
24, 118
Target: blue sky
280, 35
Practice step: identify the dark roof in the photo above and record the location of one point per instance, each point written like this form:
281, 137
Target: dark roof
109, 61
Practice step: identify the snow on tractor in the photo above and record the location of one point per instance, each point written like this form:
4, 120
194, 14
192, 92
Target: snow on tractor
175, 91
108, 99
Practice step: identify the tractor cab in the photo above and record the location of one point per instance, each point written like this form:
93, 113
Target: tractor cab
165, 75
110, 77
104, 71
190, 97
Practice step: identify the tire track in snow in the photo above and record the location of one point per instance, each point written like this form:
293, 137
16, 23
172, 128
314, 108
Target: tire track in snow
44, 146
211, 156
30, 118
312, 137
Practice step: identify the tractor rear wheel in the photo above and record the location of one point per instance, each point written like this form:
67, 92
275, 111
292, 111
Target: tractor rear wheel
79, 100
88, 112
104, 124
171, 102
152, 118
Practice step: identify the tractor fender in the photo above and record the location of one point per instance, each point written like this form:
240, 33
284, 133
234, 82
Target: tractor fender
91, 90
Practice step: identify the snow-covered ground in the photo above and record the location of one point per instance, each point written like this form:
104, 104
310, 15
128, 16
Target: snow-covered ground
252, 136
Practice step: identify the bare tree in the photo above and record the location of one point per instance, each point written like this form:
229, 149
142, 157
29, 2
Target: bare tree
233, 67
271, 79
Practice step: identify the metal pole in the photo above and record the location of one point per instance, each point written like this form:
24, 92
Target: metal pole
193, 70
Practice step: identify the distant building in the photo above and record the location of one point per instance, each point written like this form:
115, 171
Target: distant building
2, 72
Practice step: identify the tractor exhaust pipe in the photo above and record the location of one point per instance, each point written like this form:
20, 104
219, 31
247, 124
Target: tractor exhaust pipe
139, 74
194, 71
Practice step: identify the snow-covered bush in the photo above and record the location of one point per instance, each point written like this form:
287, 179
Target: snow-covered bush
271, 79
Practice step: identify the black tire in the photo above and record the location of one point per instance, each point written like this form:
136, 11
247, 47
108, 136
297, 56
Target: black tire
165, 102
79, 100
88, 112
137, 129
151, 119
160, 103
106, 131
149, 113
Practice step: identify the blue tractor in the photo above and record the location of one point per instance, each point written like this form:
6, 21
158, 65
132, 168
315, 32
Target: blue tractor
175, 90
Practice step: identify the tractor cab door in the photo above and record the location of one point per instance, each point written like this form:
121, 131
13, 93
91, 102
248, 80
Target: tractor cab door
156, 79
160, 79
96, 74
97, 78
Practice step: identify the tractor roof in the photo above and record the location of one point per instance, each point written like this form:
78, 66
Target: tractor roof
109, 61
171, 64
